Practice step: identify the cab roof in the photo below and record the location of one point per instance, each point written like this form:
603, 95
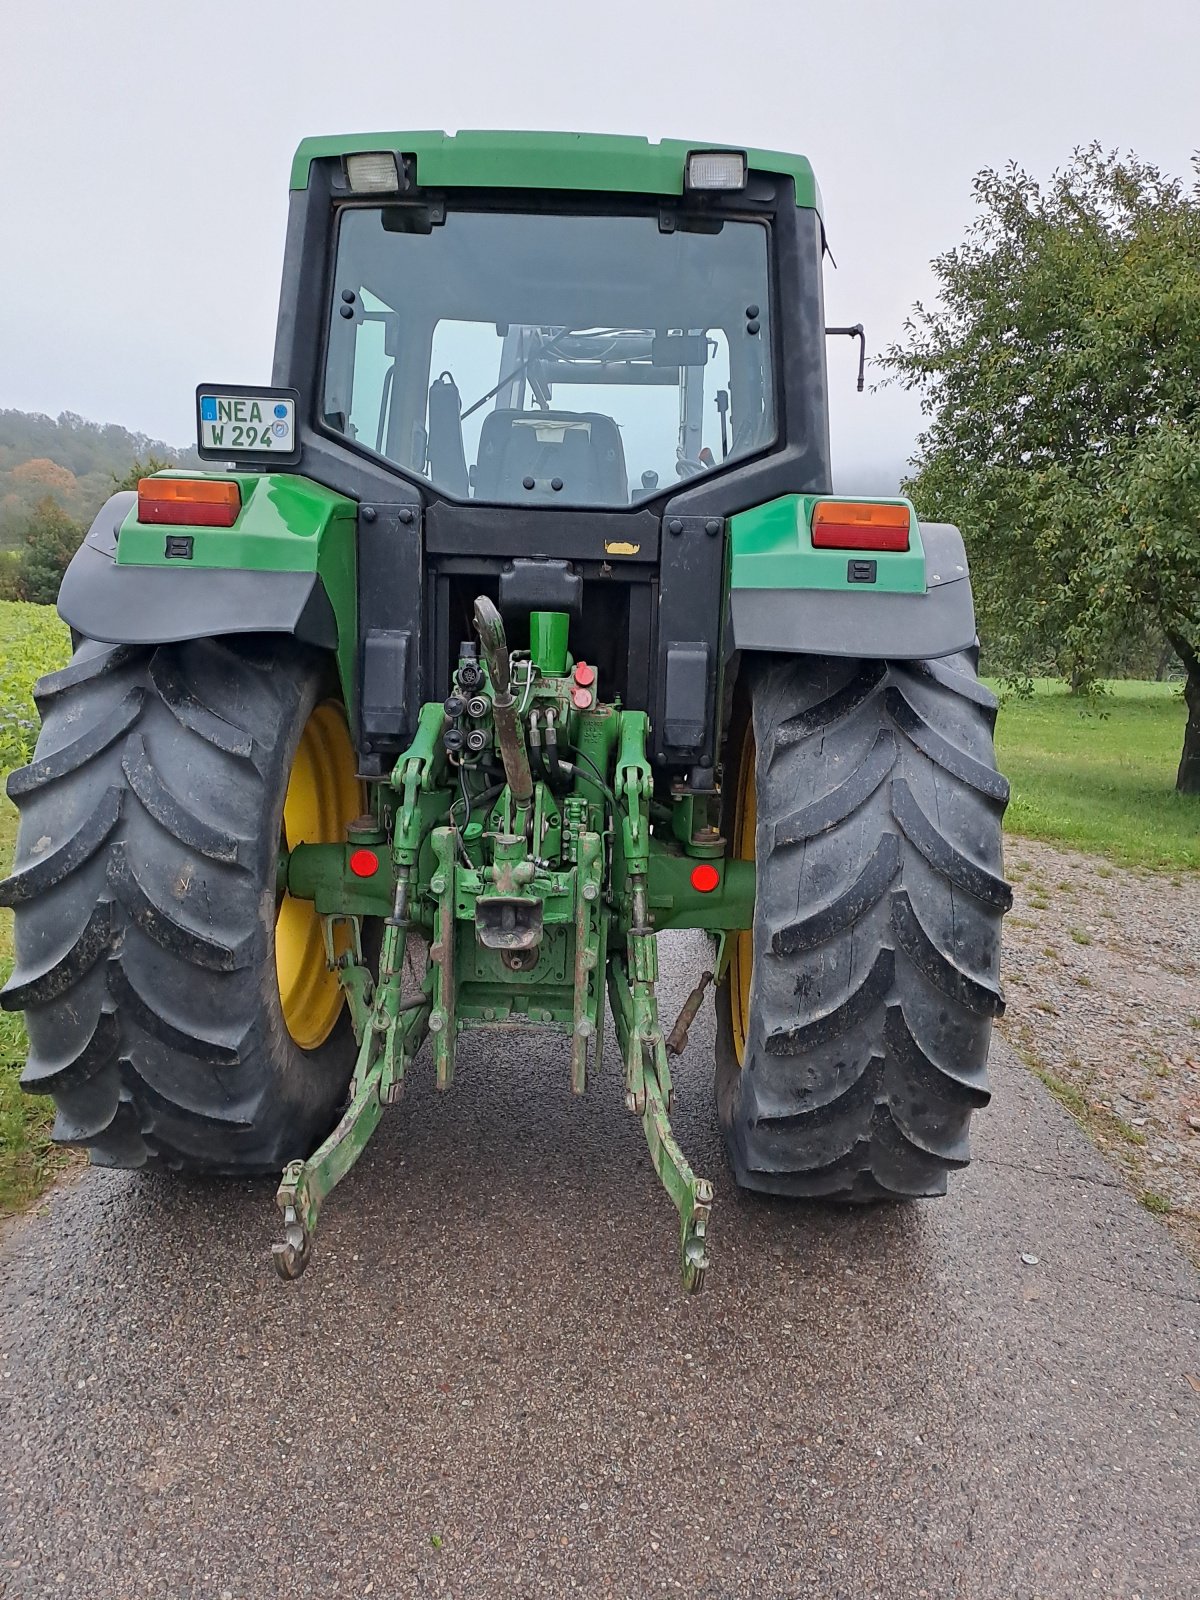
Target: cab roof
481, 159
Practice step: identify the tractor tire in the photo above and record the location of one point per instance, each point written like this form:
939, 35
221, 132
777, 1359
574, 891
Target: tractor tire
854, 1023
146, 905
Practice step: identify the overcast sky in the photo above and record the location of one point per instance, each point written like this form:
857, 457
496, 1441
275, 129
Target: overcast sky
143, 188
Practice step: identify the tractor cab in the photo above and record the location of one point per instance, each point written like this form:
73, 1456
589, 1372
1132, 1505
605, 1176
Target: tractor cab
569, 360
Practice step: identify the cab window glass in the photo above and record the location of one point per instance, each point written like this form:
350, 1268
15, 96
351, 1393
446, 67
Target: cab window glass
517, 357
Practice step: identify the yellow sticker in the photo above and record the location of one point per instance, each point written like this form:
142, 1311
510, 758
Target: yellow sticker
619, 547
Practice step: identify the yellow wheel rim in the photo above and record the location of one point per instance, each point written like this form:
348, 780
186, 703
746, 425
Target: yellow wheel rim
323, 795
741, 962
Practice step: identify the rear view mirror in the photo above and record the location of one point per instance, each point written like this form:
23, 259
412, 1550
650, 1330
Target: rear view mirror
679, 350
411, 218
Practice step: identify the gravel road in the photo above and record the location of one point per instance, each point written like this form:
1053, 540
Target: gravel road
490, 1384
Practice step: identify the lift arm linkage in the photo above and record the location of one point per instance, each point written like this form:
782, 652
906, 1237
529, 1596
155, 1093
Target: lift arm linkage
527, 910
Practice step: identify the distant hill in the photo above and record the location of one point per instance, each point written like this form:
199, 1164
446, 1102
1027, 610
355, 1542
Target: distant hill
72, 461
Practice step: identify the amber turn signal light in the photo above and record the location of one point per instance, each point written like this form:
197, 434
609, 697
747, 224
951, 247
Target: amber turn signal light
189, 502
859, 525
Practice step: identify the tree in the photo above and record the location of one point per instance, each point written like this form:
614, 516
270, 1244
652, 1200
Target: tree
139, 470
42, 476
12, 586
73, 460
1060, 379
26, 484
51, 539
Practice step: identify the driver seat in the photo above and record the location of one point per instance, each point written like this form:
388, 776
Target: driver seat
582, 448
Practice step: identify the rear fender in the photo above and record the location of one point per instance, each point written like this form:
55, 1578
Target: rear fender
286, 566
788, 597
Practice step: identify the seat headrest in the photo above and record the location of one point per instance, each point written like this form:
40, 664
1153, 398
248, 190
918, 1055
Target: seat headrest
583, 448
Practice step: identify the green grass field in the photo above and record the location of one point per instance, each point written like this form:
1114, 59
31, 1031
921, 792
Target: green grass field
27, 1158
32, 641
1099, 775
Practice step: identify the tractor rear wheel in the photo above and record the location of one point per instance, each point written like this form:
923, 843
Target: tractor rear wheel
179, 1008
855, 1019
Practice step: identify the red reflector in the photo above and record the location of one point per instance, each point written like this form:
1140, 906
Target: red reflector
190, 502
859, 525
364, 863
705, 877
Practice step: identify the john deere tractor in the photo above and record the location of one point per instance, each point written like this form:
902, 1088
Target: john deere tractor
512, 624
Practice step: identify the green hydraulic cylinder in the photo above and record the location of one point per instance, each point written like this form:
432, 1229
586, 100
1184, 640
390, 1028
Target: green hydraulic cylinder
548, 631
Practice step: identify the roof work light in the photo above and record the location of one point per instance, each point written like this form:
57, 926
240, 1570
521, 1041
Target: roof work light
373, 172
715, 169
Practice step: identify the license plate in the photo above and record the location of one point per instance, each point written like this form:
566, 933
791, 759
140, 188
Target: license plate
237, 422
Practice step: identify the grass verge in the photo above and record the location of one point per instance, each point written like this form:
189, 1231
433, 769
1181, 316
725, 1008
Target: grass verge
28, 1161
1091, 1097
1099, 774
32, 641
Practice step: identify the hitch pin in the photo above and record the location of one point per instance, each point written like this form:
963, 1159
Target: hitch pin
678, 1037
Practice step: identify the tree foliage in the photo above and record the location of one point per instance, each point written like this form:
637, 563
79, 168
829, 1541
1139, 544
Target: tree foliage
51, 539
1060, 378
11, 586
139, 470
73, 460
45, 508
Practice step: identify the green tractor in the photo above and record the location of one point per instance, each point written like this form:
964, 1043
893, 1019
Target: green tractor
514, 623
